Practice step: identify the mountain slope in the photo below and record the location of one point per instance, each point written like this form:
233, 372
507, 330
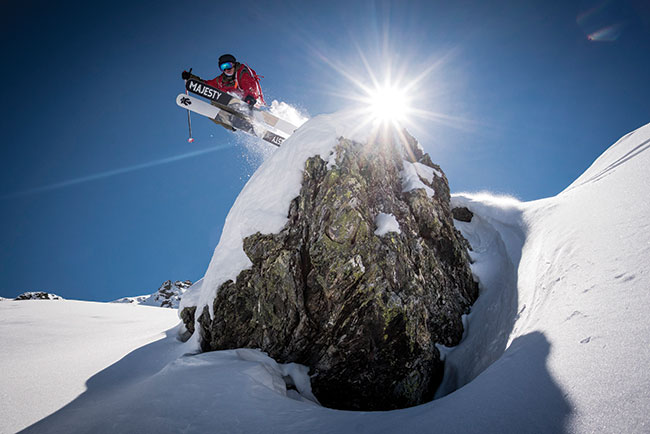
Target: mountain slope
582, 282
51, 348
561, 321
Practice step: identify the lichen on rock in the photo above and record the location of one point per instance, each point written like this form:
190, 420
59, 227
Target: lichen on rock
363, 311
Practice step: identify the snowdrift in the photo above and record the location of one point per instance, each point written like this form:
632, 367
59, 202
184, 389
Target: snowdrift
558, 340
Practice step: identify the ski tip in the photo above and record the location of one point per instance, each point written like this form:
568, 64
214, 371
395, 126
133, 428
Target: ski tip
190, 140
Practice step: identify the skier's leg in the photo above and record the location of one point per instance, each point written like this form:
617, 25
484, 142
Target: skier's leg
226, 126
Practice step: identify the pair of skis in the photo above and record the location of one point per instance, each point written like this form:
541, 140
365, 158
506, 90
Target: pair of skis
233, 113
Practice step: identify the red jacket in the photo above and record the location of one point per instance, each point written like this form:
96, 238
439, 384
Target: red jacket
242, 83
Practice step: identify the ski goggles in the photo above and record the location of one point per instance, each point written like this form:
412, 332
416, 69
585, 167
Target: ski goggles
226, 65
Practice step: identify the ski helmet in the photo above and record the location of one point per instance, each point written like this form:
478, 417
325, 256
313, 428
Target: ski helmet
226, 58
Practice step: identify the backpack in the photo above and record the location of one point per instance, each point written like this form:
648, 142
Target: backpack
257, 80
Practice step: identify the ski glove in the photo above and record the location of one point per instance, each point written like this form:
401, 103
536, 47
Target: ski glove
186, 75
250, 100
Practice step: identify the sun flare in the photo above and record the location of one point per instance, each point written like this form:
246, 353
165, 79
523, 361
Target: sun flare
393, 90
388, 104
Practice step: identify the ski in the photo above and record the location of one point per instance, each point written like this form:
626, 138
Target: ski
228, 119
237, 106
275, 122
220, 97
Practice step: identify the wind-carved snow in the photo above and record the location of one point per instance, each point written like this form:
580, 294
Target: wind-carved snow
386, 223
278, 375
496, 234
411, 177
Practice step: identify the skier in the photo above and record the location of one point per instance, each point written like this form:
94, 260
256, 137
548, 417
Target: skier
236, 78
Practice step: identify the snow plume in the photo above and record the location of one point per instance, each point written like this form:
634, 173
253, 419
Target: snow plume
288, 112
256, 150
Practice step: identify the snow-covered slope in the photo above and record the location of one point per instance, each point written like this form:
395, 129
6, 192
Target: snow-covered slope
557, 342
581, 287
50, 349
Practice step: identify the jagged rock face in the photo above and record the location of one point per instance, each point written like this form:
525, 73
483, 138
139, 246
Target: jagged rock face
363, 311
38, 295
170, 294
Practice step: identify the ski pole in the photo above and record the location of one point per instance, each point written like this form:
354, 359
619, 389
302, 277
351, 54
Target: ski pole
189, 124
189, 121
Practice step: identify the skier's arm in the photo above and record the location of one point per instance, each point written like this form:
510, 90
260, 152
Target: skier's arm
248, 84
214, 82
188, 75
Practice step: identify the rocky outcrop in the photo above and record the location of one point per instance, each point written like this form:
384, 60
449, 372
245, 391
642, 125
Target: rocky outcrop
38, 295
362, 282
462, 214
168, 295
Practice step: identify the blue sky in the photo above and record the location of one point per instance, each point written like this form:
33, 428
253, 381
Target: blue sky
101, 196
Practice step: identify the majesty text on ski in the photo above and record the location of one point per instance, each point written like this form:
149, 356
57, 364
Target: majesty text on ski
206, 91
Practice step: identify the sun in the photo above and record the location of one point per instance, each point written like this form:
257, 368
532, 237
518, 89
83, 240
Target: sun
390, 90
388, 104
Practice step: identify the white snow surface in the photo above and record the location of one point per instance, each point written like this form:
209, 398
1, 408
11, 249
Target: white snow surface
411, 177
386, 223
50, 349
558, 340
426, 172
